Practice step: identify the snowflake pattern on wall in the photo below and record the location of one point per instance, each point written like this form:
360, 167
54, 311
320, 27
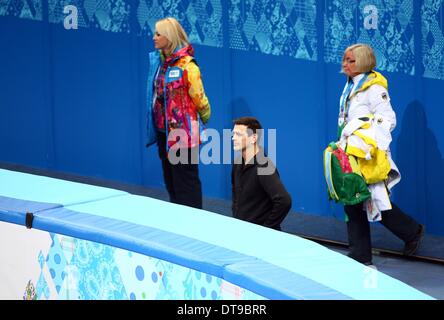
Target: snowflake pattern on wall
106, 15
201, 19
76, 269
432, 27
24, 9
392, 38
277, 27
284, 27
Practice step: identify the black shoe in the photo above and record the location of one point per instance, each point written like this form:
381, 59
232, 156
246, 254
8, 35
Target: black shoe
366, 263
412, 246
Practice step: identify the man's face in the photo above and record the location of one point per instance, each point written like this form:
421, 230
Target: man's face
240, 138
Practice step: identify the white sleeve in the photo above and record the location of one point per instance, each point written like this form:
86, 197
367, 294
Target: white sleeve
385, 117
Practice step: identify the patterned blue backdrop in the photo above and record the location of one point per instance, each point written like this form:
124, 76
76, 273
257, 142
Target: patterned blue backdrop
274, 27
285, 27
386, 25
73, 99
112, 16
432, 13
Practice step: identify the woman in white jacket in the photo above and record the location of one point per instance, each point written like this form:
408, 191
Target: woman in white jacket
366, 115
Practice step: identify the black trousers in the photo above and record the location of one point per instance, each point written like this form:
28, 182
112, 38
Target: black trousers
182, 179
358, 228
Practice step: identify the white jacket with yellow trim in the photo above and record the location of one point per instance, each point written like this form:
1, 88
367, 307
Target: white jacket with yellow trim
369, 123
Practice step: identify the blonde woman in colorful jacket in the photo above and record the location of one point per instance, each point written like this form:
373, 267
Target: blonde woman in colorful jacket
177, 110
366, 120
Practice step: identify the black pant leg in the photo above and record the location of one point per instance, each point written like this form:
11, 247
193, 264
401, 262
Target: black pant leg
167, 169
358, 229
187, 185
402, 225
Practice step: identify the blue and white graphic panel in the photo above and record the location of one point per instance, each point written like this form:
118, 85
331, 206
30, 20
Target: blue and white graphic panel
201, 19
106, 15
385, 25
432, 13
282, 28
24, 9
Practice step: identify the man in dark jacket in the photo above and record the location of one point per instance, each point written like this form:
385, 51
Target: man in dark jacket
258, 193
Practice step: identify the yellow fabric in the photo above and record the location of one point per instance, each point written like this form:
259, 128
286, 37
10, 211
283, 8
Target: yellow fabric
327, 173
377, 168
368, 140
354, 165
355, 151
197, 92
365, 143
373, 78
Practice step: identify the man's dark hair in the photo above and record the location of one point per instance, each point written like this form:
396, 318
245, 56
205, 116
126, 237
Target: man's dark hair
252, 123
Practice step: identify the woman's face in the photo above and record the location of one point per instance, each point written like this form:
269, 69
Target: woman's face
160, 42
349, 64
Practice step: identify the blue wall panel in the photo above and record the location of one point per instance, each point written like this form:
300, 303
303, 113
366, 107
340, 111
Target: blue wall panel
95, 104
74, 100
25, 105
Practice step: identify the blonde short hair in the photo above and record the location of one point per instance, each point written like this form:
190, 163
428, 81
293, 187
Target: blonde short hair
364, 56
173, 31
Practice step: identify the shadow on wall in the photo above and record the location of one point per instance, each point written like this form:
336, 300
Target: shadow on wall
422, 170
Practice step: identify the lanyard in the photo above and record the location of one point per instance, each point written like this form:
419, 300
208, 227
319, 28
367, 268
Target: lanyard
345, 97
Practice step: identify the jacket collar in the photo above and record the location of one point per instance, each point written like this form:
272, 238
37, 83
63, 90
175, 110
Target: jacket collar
373, 77
179, 53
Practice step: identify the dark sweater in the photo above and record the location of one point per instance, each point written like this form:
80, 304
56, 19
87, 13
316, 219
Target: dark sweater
260, 199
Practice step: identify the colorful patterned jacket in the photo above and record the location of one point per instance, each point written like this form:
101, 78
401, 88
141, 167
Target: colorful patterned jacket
185, 104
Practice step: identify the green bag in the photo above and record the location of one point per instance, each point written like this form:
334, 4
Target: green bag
344, 180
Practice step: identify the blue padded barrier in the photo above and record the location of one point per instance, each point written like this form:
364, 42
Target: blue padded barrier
25, 186
189, 252
273, 264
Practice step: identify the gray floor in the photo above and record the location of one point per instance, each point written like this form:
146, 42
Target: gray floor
425, 276
422, 274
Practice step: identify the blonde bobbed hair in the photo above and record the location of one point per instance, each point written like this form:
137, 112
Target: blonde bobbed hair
174, 32
364, 55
